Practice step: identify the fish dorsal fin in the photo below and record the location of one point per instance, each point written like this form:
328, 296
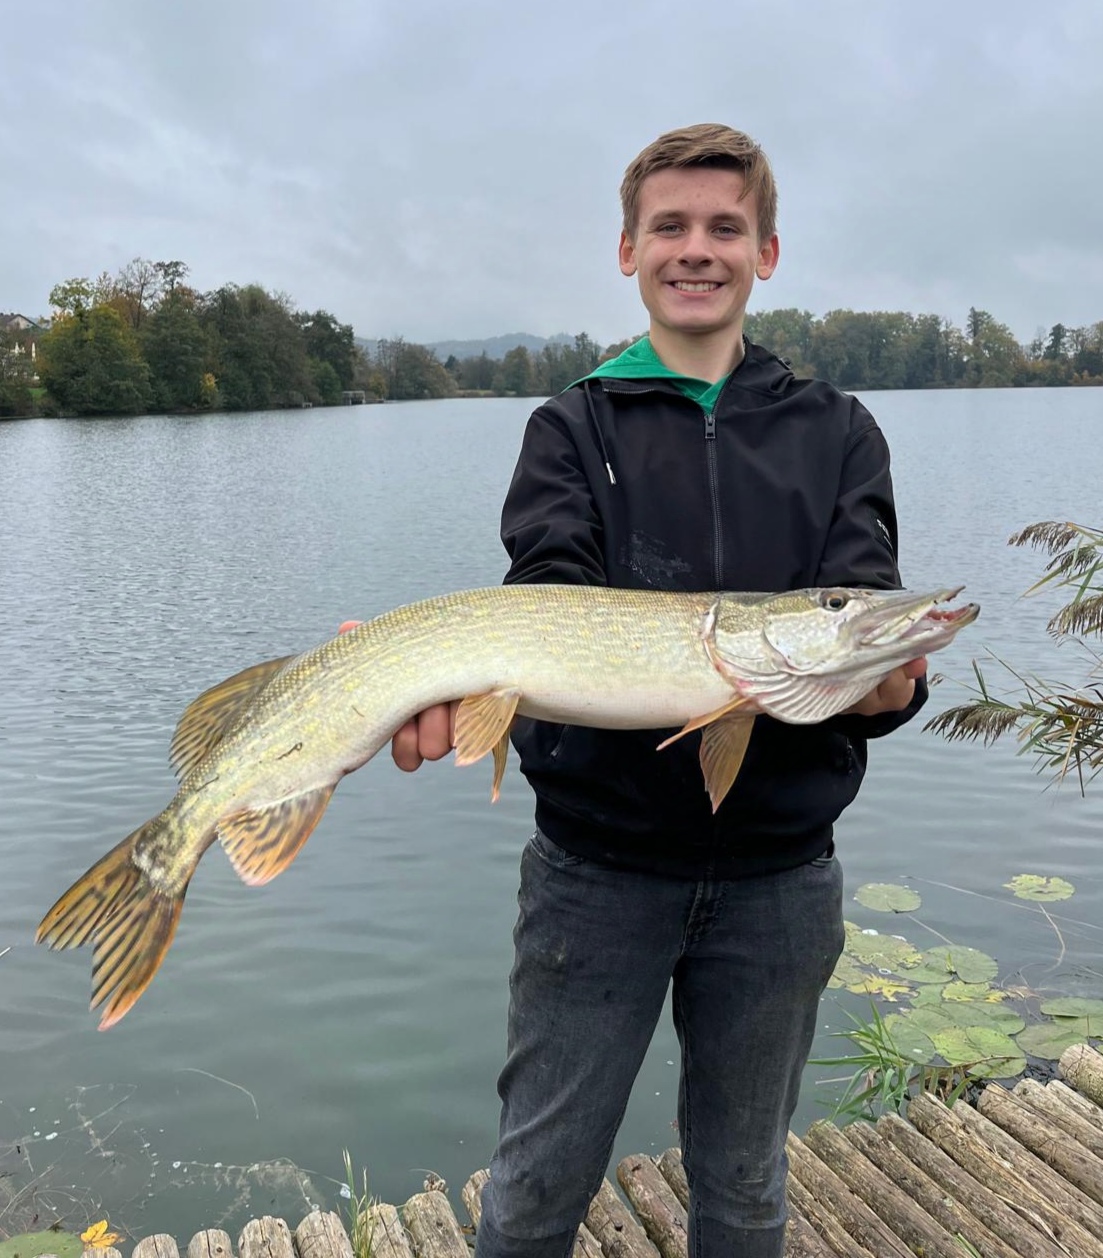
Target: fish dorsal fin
723, 746
208, 719
482, 725
699, 722
262, 842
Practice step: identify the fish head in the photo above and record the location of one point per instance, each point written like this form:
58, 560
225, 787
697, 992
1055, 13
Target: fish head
804, 655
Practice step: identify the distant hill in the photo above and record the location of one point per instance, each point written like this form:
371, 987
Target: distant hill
496, 347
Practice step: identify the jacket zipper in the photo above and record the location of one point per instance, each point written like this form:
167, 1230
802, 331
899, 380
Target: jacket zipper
714, 498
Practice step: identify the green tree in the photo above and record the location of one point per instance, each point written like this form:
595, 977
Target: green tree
995, 358
330, 342
787, 333
15, 371
327, 383
91, 364
178, 352
259, 353
516, 374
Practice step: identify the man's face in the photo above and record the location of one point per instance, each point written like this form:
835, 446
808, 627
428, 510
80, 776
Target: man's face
696, 251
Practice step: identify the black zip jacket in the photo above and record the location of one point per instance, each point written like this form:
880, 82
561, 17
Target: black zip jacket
630, 483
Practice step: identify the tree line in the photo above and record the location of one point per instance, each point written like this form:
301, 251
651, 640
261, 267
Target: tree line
144, 340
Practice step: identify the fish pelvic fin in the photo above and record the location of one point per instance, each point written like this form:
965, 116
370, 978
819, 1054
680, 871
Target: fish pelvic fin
723, 746
262, 842
482, 725
210, 717
129, 921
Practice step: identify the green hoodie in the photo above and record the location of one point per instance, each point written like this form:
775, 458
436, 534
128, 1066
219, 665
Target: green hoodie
640, 362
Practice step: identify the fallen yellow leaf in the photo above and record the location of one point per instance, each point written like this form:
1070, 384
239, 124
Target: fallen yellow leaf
98, 1237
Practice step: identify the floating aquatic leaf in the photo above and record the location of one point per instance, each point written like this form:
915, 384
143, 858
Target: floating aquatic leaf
931, 1019
1083, 1007
98, 1237
973, 992
912, 1042
886, 897
847, 974
1049, 1040
34, 1244
886, 987
1035, 887
967, 964
986, 1052
981, 1013
884, 952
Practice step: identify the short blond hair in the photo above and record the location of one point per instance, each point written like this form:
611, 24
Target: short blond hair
705, 144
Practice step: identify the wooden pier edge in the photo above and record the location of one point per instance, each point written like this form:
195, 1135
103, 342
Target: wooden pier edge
1019, 1176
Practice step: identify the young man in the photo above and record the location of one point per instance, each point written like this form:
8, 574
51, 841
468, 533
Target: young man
694, 461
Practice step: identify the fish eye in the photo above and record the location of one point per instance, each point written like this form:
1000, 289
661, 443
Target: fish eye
833, 600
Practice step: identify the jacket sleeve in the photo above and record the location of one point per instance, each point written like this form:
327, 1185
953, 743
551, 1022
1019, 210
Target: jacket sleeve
551, 528
861, 547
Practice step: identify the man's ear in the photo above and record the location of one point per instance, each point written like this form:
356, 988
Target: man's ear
626, 255
768, 253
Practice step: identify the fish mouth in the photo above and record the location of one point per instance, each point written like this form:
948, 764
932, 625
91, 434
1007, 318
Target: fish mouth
903, 616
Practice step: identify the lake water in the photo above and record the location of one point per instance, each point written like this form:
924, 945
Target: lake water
359, 1001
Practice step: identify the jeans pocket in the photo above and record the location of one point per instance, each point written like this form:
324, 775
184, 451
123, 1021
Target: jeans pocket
551, 853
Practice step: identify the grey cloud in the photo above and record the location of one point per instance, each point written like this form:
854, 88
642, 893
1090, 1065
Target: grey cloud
443, 170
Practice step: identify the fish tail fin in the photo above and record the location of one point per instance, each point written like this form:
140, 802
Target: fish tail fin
128, 920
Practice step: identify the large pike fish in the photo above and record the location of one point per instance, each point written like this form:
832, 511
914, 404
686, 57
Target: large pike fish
259, 756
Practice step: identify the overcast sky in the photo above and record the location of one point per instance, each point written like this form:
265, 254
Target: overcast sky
440, 170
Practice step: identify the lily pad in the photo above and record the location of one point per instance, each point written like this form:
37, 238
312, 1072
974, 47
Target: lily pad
981, 1013
888, 953
1035, 887
887, 897
1048, 1040
973, 992
1083, 1007
34, 1244
986, 1052
967, 964
912, 1042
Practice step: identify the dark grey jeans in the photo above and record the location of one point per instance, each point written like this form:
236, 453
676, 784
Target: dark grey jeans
596, 949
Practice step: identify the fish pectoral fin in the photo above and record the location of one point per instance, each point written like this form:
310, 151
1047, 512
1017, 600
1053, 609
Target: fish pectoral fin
262, 842
482, 725
699, 722
723, 746
208, 719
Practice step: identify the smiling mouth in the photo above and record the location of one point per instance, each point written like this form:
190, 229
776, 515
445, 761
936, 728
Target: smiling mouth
695, 286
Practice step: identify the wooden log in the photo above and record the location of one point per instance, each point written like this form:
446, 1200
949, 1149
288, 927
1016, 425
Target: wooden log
914, 1226
663, 1216
389, 1239
472, 1192
1028, 1235
321, 1235
828, 1189
266, 1238
1083, 1068
433, 1227
928, 1195
159, 1246
614, 1228
1080, 1205
214, 1243
802, 1240
1050, 1106
1008, 1169
89, 1251
672, 1170
1044, 1138
822, 1219
1080, 1105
